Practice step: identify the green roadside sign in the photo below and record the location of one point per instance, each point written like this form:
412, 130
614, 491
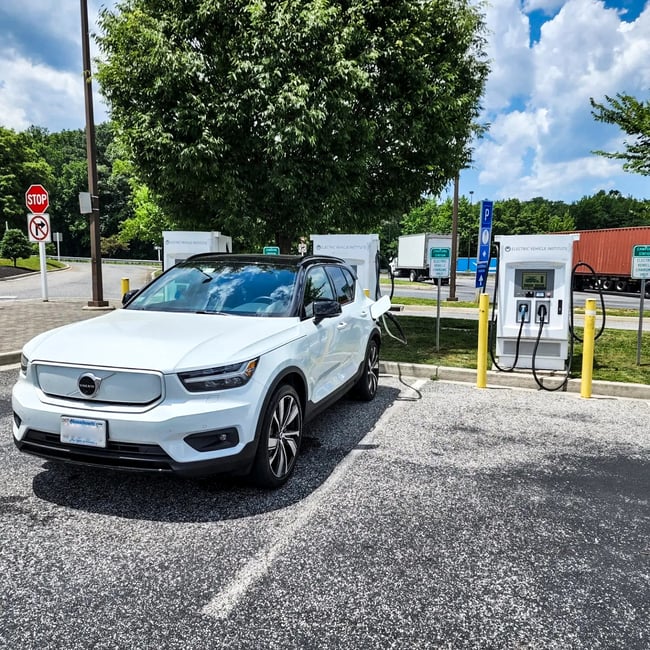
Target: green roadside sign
271, 250
640, 262
439, 262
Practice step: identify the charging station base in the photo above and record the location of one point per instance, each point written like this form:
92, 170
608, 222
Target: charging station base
550, 355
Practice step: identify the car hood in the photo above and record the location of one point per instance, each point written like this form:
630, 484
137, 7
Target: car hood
162, 341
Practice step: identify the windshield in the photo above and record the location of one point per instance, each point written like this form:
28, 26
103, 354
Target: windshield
221, 287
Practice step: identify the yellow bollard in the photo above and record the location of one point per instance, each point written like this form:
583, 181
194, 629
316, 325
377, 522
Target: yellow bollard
125, 285
482, 350
588, 348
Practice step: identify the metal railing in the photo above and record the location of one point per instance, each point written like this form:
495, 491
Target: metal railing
107, 260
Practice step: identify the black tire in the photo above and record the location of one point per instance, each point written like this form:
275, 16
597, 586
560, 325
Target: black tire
366, 387
647, 289
280, 437
621, 285
413, 276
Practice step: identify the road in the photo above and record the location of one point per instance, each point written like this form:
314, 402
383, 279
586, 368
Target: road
437, 516
76, 282
466, 292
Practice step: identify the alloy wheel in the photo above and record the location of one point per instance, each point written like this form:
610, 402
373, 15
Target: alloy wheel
284, 435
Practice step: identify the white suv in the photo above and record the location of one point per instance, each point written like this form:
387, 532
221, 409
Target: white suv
213, 367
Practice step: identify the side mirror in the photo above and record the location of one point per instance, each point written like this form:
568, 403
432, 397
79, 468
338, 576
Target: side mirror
326, 309
126, 298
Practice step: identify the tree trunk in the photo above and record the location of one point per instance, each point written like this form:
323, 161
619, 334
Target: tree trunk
284, 242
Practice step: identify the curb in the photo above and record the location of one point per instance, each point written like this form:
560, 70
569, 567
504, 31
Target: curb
9, 358
513, 380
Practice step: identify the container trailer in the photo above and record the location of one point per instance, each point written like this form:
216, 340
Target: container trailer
609, 252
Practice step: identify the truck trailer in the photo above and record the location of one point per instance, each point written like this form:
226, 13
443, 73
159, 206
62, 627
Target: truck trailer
609, 252
412, 258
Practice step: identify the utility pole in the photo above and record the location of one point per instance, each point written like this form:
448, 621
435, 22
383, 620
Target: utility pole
454, 242
469, 232
91, 153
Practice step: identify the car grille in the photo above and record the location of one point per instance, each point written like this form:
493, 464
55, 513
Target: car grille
122, 455
116, 386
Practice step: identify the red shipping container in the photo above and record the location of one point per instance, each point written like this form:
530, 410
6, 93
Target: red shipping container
609, 251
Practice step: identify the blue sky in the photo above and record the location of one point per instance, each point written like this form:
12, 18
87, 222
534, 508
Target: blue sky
548, 58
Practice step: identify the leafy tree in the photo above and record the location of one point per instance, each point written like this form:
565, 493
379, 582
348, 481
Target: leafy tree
148, 222
275, 119
65, 152
633, 117
112, 246
609, 210
20, 167
15, 245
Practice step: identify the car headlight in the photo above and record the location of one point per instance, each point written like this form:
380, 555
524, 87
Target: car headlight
24, 362
231, 376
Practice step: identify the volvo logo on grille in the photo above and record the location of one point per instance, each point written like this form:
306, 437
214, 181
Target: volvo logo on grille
89, 384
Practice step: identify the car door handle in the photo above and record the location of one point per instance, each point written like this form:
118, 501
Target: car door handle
341, 325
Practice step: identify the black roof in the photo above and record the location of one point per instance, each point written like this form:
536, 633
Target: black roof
258, 258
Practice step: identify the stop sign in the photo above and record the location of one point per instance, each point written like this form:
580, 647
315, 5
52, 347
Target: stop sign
37, 199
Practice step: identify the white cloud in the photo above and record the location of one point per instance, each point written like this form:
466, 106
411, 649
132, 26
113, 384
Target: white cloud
38, 94
569, 176
41, 76
542, 145
508, 51
548, 7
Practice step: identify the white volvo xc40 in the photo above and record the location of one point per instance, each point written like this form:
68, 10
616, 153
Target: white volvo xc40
213, 367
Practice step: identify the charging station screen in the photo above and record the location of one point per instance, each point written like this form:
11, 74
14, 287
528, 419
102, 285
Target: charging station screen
533, 280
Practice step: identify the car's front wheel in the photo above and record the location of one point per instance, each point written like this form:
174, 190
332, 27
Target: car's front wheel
366, 387
280, 437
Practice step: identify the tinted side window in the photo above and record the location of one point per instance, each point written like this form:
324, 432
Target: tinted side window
317, 287
343, 284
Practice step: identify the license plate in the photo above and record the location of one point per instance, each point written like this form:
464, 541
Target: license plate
82, 431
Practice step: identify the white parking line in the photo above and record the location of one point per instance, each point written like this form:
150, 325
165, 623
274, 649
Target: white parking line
228, 598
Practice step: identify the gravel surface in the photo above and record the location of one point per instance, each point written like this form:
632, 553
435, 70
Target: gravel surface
438, 516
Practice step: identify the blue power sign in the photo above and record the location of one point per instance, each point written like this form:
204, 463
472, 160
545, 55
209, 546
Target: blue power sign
484, 244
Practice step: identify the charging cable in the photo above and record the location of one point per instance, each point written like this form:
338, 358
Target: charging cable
388, 317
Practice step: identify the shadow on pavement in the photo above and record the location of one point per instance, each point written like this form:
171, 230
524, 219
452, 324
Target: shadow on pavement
326, 441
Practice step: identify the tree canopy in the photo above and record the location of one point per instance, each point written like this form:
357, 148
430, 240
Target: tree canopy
633, 117
292, 117
20, 167
14, 245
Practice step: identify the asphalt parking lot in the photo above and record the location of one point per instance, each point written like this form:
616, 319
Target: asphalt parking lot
438, 516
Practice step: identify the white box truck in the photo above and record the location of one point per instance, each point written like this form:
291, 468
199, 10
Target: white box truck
412, 259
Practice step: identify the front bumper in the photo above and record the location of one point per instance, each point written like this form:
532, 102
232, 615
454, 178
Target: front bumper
155, 440
131, 457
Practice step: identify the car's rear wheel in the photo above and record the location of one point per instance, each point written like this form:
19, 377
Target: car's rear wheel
366, 387
280, 437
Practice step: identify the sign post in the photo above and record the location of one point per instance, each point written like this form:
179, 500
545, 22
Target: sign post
37, 201
640, 271
484, 244
439, 267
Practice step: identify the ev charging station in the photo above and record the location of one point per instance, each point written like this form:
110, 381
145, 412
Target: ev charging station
361, 252
534, 300
179, 245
